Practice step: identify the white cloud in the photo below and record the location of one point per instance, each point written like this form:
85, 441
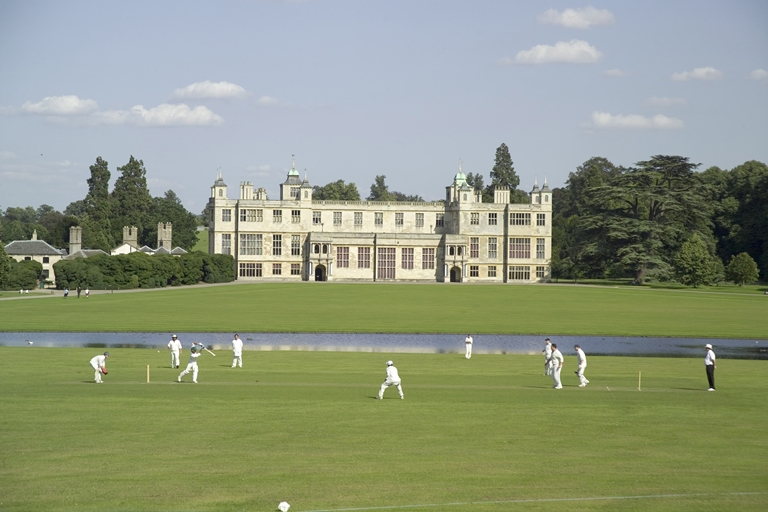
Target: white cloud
165, 114
616, 72
571, 52
664, 101
268, 101
583, 17
634, 121
208, 89
708, 73
759, 75
7, 155
60, 105
260, 171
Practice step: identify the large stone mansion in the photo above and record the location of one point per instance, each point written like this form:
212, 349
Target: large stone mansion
459, 240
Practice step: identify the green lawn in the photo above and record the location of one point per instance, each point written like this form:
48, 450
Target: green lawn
488, 434
202, 241
433, 308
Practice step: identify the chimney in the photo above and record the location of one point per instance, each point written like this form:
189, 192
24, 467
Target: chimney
131, 236
75, 239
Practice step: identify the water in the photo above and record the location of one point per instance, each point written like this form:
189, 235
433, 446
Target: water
426, 343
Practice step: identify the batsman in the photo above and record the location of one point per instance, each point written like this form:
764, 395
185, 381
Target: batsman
194, 352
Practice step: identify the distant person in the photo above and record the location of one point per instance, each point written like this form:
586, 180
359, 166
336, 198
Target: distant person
78, 292
87, 293
709, 364
581, 358
194, 352
547, 357
557, 366
175, 347
468, 344
99, 365
237, 351
66, 292
393, 378
21, 291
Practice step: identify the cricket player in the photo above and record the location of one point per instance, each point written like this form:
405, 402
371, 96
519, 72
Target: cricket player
392, 379
97, 363
581, 358
709, 364
194, 352
237, 351
468, 343
557, 366
175, 347
547, 357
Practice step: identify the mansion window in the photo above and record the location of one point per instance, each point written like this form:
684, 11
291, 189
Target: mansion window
295, 193
296, 216
474, 219
250, 269
317, 217
474, 271
277, 245
248, 244
419, 220
519, 273
277, 269
385, 263
226, 215
492, 219
342, 257
541, 219
358, 219
226, 244
428, 258
540, 272
295, 269
520, 248
540, 248
474, 247
363, 257
337, 218
439, 220
492, 271
277, 215
378, 219
295, 245
259, 245
251, 215
492, 248
519, 219
406, 258
398, 219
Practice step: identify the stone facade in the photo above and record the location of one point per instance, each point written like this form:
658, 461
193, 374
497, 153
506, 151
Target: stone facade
459, 240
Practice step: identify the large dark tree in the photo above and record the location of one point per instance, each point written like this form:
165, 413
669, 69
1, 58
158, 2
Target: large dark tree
642, 216
132, 202
98, 208
5, 267
336, 191
380, 190
503, 175
170, 209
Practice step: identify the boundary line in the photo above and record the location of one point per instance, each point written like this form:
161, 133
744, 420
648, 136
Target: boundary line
539, 500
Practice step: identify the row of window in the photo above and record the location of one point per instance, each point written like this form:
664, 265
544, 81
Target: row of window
257, 269
257, 215
253, 244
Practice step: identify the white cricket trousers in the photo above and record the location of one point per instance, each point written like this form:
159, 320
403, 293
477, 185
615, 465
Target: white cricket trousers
388, 383
96, 373
469, 350
582, 379
175, 359
555, 373
548, 368
190, 367
237, 359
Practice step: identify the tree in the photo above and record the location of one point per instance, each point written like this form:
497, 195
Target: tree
131, 201
640, 217
336, 191
5, 268
380, 191
476, 181
694, 263
170, 209
742, 269
503, 172
98, 208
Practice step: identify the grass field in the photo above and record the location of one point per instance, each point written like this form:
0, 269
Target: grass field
436, 308
488, 434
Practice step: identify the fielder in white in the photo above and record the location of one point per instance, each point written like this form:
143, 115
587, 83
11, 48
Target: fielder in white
468, 343
557, 366
582, 360
547, 357
175, 347
392, 379
97, 363
237, 351
194, 352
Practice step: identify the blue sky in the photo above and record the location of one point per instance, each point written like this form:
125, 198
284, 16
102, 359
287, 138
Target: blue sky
360, 88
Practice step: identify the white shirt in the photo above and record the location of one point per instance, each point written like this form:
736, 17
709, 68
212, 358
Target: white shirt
237, 346
468, 340
709, 359
174, 345
392, 375
99, 361
557, 358
548, 351
193, 357
581, 357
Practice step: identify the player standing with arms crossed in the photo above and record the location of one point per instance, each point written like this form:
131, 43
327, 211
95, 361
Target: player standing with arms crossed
468, 343
237, 351
175, 347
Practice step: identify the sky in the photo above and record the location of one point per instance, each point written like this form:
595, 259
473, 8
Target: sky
360, 88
